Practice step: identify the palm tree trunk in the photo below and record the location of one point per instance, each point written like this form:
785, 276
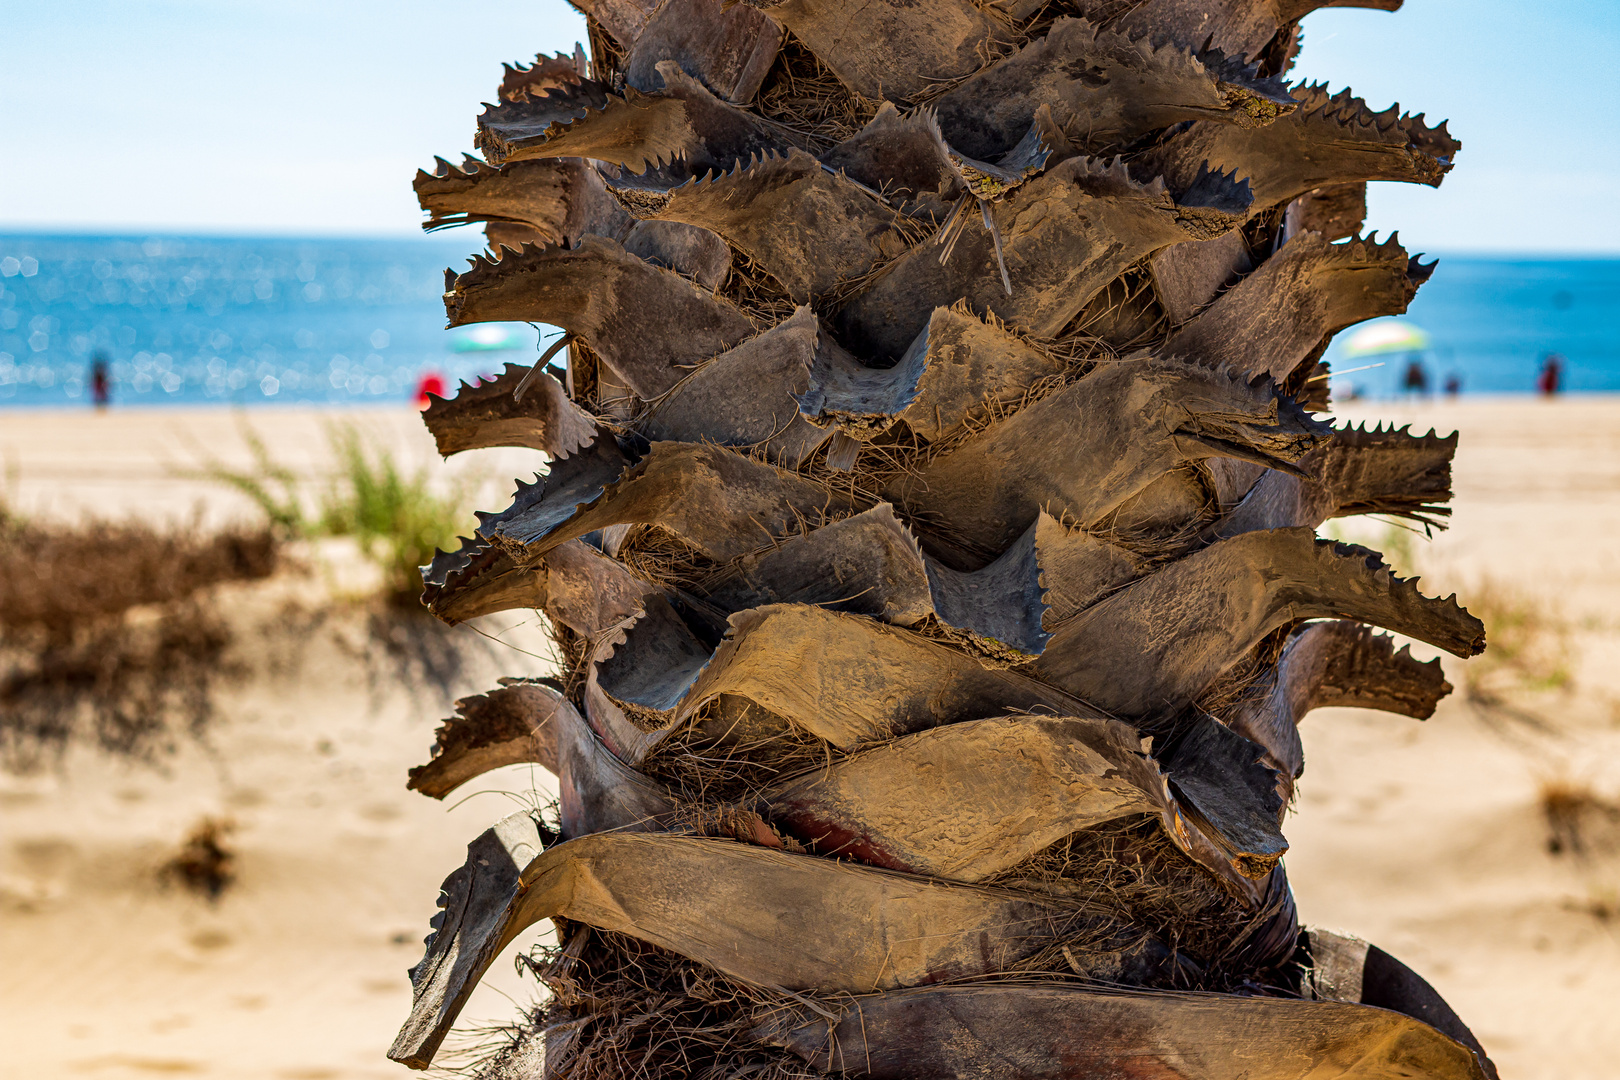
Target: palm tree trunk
936, 454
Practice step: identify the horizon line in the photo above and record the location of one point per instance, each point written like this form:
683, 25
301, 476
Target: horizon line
203, 232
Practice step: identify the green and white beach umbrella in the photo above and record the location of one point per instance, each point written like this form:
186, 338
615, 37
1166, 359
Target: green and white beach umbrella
1384, 337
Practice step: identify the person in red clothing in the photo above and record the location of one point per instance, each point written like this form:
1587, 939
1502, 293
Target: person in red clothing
431, 382
1552, 374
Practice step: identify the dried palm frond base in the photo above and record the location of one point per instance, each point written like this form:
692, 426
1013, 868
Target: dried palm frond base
1130, 869
622, 1009
805, 97
722, 756
758, 295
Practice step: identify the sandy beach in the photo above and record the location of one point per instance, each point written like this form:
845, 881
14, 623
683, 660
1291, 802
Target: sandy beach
1427, 838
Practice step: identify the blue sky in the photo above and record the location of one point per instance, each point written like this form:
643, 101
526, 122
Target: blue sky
1529, 88
304, 117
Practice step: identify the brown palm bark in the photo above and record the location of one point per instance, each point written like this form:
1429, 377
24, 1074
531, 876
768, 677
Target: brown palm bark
936, 452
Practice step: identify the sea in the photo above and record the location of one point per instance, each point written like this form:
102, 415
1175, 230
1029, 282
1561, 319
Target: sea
275, 321
241, 321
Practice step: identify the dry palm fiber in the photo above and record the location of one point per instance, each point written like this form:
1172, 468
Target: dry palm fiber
853, 537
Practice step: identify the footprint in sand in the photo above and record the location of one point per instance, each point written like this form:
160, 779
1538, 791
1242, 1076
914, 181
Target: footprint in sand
40, 875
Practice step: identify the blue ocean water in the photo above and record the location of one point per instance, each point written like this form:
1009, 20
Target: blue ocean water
266, 321
245, 321
1491, 320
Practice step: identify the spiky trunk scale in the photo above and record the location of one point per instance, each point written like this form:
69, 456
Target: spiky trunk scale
930, 539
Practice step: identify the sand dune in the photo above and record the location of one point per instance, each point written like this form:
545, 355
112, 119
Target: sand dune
1426, 838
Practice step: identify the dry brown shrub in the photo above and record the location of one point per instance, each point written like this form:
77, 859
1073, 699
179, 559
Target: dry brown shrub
105, 633
205, 864
1529, 655
1584, 825
1580, 821
58, 579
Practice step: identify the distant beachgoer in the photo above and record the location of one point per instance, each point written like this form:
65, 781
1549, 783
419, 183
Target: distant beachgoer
1416, 380
100, 382
1453, 384
430, 383
1552, 374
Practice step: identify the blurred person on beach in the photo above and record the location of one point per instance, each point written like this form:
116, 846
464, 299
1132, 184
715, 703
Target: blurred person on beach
1416, 379
100, 382
1552, 375
1453, 385
431, 382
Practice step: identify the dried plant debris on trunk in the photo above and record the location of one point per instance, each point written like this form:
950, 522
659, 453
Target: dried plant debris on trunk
1133, 870
107, 634
929, 544
619, 1007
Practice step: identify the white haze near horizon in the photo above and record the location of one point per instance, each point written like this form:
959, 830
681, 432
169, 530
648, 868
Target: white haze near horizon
291, 117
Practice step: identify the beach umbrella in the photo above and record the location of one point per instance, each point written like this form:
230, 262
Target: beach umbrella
1385, 337
487, 337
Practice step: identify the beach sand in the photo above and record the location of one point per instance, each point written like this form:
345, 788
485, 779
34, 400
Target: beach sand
1426, 838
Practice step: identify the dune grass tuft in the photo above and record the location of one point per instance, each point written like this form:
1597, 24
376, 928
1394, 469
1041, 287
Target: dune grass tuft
397, 518
1529, 655
395, 515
